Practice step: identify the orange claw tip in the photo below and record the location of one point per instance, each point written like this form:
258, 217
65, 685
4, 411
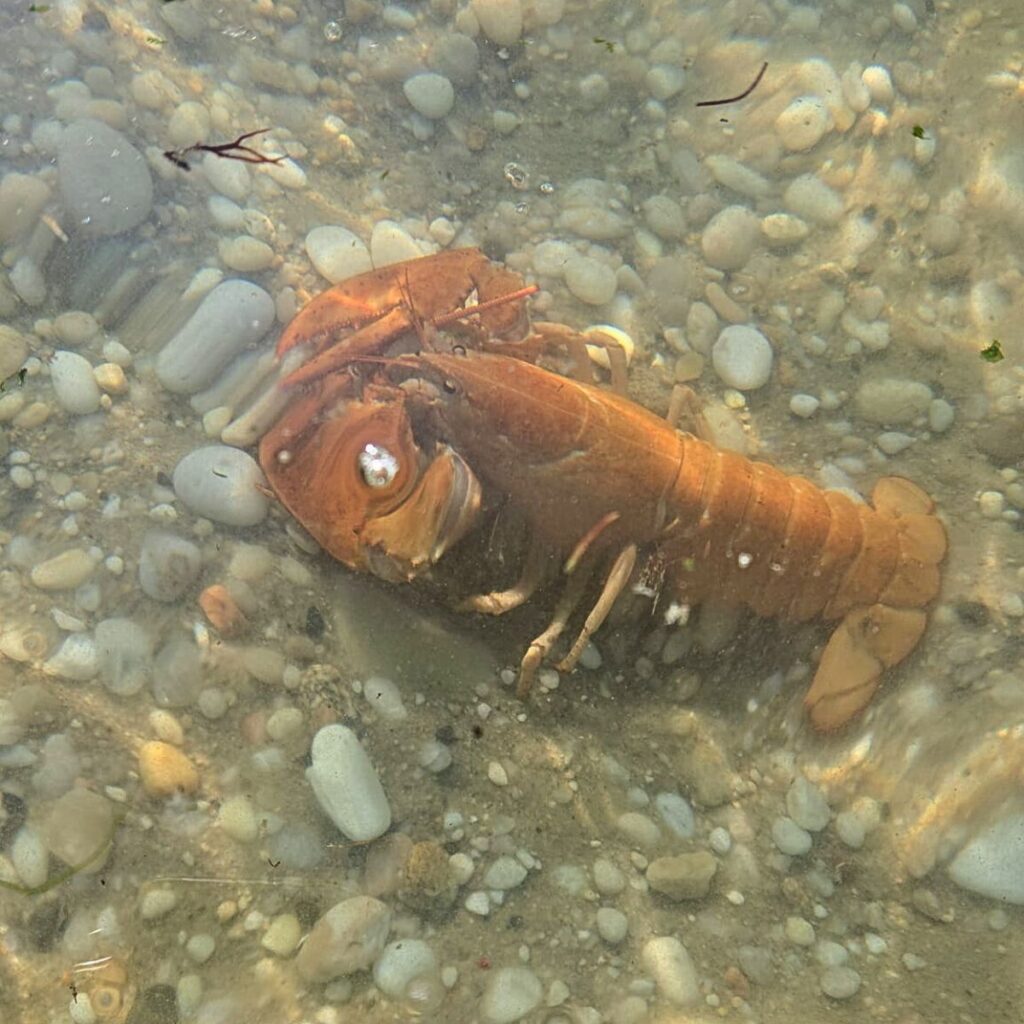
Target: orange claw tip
221, 609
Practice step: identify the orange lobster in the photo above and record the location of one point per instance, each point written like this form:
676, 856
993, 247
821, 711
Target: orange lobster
390, 460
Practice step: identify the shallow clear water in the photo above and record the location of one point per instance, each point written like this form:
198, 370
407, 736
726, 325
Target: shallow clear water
658, 836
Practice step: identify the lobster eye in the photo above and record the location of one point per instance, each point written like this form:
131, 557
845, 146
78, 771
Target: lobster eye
450, 387
378, 466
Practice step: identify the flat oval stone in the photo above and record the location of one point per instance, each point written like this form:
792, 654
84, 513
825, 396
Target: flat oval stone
222, 484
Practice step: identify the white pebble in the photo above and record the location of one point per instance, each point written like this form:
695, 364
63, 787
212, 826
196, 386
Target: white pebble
500, 20
729, 238
75, 659
237, 817
385, 698
337, 253
667, 961
431, 95
803, 405
346, 785
850, 829
511, 993
223, 484
74, 384
742, 357
75, 328
840, 982
400, 963
157, 902
391, 243
803, 124
807, 805
65, 571
878, 82
589, 280
799, 931
283, 935
497, 774
200, 947
230, 178
168, 565
30, 857
991, 862
245, 253
504, 873
940, 415
790, 838
232, 317
810, 198
663, 81
612, 925
478, 903
892, 442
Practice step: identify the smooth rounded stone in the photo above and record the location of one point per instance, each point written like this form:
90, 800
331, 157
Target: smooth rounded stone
168, 565
878, 82
245, 254
892, 442
391, 243
550, 257
807, 805
500, 20
504, 873
75, 659
74, 384
455, 56
612, 925
124, 653
593, 222
589, 280
223, 484
177, 674
164, 770
742, 357
230, 178
22, 198
730, 237
238, 818
664, 81
189, 124
200, 947
810, 198
942, 234
992, 862
30, 857
804, 406
385, 698
79, 824
667, 961
283, 935
400, 963
65, 571
298, 847
677, 814
803, 124
431, 95
232, 317
638, 829
337, 253
511, 993
665, 217
348, 938
784, 229
75, 328
156, 903
790, 838
684, 877
839, 982
940, 415
28, 281
608, 879
893, 401
346, 784
799, 931
104, 179
850, 829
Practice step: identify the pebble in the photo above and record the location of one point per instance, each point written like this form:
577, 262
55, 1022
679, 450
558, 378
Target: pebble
75, 328
810, 198
677, 814
348, 938
893, 401
497, 774
157, 902
478, 903
200, 947
124, 655
28, 281
431, 95
238, 818
803, 124
337, 253
790, 838
500, 20
104, 180
504, 873
74, 384
510, 994
612, 925
283, 935
850, 829
799, 931
400, 963
165, 771
666, 959
13, 351
729, 238
65, 571
590, 280
30, 857
807, 805
230, 178
840, 982
638, 829
78, 824
684, 877
232, 317
75, 659
168, 565
742, 357
245, 253
391, 243
110, 378
992, 862
664, 81
804, 406
346, 784
385, 698
222, 484
608, 879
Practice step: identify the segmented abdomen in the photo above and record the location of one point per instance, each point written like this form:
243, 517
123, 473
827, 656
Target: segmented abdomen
742, 532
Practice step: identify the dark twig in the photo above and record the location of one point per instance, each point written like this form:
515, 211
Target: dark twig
228, 150
742, 96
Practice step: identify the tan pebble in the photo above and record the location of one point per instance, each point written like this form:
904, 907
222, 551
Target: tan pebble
221, 609
166, 727
111, 378
165, 770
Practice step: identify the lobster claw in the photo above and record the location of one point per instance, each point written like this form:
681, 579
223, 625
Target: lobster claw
442, 507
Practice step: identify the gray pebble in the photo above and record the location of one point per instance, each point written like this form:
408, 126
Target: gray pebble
806, 805
505, 873
125, 656
612, 925
790, 838
840, 982
677, 814
222, 483
177, 674
168, 565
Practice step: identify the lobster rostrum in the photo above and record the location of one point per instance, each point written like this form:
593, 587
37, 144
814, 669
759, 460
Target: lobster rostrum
415, 414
